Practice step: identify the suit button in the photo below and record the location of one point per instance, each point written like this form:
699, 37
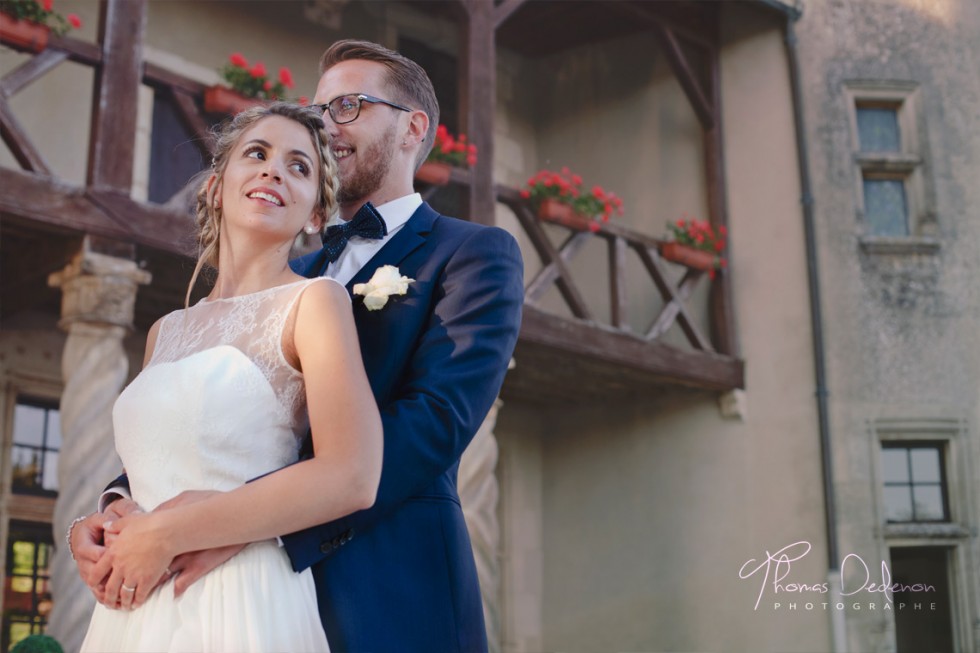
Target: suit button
326, 548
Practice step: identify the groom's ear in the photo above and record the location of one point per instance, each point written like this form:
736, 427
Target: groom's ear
418, 126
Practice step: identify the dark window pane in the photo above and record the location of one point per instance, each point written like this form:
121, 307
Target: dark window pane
925, 465
28, 425
174, 155
929, 629
895, 466
878, 130
898, 503
885, 208
928, 503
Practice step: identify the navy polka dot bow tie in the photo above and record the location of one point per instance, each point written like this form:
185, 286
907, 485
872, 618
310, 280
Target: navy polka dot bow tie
366, 223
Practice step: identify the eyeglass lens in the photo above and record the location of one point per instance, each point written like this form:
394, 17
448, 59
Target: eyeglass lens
344, 108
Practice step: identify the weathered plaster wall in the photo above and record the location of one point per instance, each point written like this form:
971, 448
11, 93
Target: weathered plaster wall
902, 329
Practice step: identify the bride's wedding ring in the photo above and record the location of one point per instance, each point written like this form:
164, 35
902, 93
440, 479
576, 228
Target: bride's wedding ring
128, 589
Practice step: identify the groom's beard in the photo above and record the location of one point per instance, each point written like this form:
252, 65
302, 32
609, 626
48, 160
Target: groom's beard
372, 168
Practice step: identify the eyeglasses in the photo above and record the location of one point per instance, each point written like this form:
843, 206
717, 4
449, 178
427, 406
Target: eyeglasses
346, 108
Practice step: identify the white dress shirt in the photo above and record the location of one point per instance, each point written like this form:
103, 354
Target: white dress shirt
360, 250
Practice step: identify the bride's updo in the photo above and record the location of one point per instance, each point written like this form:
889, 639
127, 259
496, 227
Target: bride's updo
226, 136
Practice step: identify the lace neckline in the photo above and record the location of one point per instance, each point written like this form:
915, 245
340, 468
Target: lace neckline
205, 301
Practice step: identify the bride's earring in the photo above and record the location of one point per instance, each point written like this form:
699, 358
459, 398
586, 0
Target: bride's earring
310, 229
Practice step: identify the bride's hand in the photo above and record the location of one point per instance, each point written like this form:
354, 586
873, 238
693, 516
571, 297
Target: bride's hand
138, 559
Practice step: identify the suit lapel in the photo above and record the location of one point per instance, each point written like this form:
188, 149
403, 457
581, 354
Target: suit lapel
408, 239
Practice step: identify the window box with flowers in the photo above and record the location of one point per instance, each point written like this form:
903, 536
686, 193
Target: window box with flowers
248, 87
696, 244
447, 153
26, 24
558, 198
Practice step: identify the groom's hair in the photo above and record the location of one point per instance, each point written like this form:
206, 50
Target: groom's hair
405, 78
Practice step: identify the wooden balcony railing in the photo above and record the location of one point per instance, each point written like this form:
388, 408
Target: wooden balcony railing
558, 357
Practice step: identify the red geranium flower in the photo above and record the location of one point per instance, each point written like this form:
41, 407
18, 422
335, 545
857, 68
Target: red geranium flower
597, 204
238, 60
454, 150
74, 20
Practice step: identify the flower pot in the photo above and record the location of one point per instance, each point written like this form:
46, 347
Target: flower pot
23, 35
221, 99
434, 173
551, 210
697, 259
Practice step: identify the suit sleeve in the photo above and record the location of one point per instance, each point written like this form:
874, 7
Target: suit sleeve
452, 379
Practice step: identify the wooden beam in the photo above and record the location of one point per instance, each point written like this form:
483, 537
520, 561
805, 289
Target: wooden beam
675, 304
83, 52
19, 142
549, 273
30, 70
478, 73
54, 205
686, 77
117, 80
670, 312
548, 253
560, 339
505, 10
721, 301
618, 297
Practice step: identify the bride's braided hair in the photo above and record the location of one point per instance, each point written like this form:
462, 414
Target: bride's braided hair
226, 135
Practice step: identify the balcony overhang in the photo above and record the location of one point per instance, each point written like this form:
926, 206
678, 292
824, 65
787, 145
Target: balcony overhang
559, 360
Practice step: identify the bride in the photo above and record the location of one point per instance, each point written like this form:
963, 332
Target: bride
223, 400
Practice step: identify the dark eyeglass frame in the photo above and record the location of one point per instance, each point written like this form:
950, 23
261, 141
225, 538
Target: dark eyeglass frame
361, 99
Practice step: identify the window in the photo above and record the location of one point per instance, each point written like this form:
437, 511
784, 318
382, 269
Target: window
914, 482
34, 448
27, 585
175, 156
888, 164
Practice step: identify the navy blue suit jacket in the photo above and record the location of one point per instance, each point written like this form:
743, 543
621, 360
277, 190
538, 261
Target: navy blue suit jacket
400, 576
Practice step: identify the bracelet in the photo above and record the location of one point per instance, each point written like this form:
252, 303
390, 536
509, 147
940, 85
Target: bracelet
71, 527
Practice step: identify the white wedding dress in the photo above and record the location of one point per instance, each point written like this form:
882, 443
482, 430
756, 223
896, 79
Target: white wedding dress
216, 406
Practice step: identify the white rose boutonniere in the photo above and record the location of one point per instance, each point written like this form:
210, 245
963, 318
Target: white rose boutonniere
386, 281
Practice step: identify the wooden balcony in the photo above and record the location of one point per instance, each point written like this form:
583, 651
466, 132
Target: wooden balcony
568, 349
587, 355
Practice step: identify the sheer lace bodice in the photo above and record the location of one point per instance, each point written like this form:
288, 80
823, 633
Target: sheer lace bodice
217, 404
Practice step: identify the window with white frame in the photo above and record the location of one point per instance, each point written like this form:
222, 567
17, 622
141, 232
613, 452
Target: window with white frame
888, 160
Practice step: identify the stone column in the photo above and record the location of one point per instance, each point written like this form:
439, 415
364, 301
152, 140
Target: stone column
478, 493
98, 295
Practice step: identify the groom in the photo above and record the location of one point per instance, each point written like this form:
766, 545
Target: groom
400, 576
